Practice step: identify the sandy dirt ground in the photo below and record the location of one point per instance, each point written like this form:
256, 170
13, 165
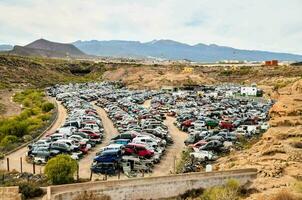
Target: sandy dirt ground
173, 152
168, 161
10, 107
14, 158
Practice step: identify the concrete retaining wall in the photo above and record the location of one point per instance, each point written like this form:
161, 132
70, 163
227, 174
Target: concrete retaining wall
151, 187
9, 193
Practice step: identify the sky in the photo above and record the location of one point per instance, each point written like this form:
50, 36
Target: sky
273, 25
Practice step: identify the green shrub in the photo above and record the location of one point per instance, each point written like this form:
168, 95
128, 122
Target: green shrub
29, 121
46, 107
61, 169
27, 138
230, 191
185, 158
30, 190
8, 140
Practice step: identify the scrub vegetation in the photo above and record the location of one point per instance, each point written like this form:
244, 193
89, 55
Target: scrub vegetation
35, 115
61, 169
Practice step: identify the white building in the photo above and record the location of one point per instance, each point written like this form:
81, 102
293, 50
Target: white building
248, 91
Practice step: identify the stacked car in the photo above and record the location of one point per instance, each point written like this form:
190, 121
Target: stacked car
82, 130
216, 118
142, 137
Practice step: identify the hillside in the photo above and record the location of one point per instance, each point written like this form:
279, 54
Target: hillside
169, 49
45, 48
277, 154
16, 71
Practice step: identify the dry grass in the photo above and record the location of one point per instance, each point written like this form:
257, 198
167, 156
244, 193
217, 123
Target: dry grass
284, 195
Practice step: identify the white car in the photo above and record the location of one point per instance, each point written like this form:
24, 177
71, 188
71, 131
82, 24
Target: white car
150, 141
71, 143
203, 155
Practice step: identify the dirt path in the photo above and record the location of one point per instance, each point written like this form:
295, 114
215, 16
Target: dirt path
173, 152
14, 158
110, 131
10, 108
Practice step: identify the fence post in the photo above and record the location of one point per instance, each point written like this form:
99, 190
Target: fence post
90, 175
119, 174
78, 168
34, 168
174, 165
21, 165
7, 163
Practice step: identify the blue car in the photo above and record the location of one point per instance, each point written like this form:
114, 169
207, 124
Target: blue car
120, 141
109, 156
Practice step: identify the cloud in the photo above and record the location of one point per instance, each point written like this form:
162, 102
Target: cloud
269, 25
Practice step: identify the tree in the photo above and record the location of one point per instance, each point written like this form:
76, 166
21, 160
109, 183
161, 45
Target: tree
61, 169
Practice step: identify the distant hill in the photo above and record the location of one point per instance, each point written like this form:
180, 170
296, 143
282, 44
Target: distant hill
5, 47
169, 49
47, 48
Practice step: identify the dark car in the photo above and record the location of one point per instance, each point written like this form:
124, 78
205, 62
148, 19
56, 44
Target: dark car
128, 136
213, 145
105, 168
109, 156
44, 152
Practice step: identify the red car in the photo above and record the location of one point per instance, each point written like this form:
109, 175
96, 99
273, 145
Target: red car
83, 147
139, 150
93, 136
226, 125
187, 123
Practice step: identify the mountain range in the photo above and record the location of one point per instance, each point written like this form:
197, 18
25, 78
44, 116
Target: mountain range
163, 49
6, 47
45, 48
169, 49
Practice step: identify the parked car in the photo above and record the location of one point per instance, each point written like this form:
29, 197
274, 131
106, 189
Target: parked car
203, 155
109, 156
138, 149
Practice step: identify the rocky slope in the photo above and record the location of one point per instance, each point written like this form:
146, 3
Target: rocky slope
278, 153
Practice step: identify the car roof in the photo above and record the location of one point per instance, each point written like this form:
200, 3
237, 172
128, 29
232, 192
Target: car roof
139, 145
114, 145
111, 151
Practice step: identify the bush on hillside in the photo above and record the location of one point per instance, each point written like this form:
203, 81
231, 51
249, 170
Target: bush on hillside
8, 140
46, 107
230, 191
